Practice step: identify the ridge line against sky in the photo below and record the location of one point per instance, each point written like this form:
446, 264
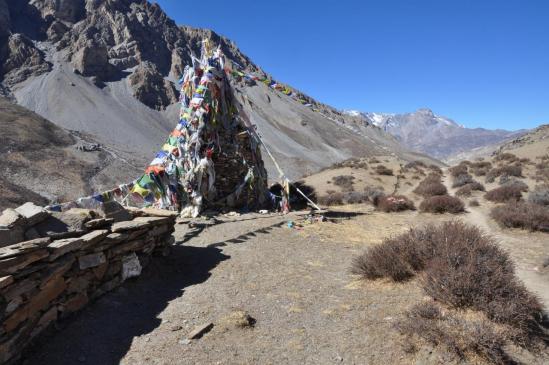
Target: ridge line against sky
480, 63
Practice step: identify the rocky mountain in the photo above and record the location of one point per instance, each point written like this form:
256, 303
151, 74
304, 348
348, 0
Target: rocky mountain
532, 144
108, 69
435, 135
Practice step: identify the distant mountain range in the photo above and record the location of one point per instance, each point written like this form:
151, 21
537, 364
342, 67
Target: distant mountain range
435, 135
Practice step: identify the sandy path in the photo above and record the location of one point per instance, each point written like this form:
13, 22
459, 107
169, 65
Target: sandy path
528, 249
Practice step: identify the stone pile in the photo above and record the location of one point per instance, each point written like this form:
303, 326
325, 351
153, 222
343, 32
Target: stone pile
49, 271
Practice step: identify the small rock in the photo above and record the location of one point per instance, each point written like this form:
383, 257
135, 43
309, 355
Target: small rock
184, 341
175, 328
200, 330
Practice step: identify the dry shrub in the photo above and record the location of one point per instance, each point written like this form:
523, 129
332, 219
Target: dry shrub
374, 160
474, 203
374, 192
509, 157
523, 215
540, 195
415, 177
428, 188
354, 163
503, 170
466, 190
442, 204
458, 170
463, 269
355, 197
517, 184
384, 170
480, 168
504, 194
460, 335
345, 182
415, 164
435, 169
462, 179
394, 203
332, 198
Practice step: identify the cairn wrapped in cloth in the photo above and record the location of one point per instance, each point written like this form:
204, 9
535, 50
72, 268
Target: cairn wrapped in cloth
212, 158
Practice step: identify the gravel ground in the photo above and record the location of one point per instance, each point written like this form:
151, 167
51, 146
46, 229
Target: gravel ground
295, 283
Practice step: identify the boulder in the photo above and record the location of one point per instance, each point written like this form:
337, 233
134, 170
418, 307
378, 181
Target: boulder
150, 87
92, 59
32, 213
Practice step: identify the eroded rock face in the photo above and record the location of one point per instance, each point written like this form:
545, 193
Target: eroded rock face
102, 39
22, 60
66, 10
151, 88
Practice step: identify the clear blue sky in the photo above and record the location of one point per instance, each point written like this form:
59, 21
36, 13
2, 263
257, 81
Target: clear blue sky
480, 62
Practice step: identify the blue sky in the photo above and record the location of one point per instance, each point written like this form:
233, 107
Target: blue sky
482, 63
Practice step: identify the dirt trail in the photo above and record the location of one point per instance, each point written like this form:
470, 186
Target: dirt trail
528, 249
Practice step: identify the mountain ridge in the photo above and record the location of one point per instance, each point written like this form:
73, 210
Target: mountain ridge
433, 134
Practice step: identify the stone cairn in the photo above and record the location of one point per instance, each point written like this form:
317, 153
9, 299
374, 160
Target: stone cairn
53, 263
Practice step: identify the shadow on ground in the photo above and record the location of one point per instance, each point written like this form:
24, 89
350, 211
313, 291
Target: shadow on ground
103, 332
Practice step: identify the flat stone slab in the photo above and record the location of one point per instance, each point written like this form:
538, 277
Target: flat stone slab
200, 331
129, 225
93, 260
13, 264
22, 248
94, 237
60, 247
160, 212
154, 221
5, 281
32, 213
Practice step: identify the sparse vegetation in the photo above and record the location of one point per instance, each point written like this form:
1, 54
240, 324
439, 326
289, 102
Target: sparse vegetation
461, 335
331, 198
474, 203
345, 182
393, 203
523, 215
384, 170
461, 180
431, 186
540, 195
355, 197
504, 194
467, 189
458, 170
509, 170
506, 156
460, 268
442, 204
